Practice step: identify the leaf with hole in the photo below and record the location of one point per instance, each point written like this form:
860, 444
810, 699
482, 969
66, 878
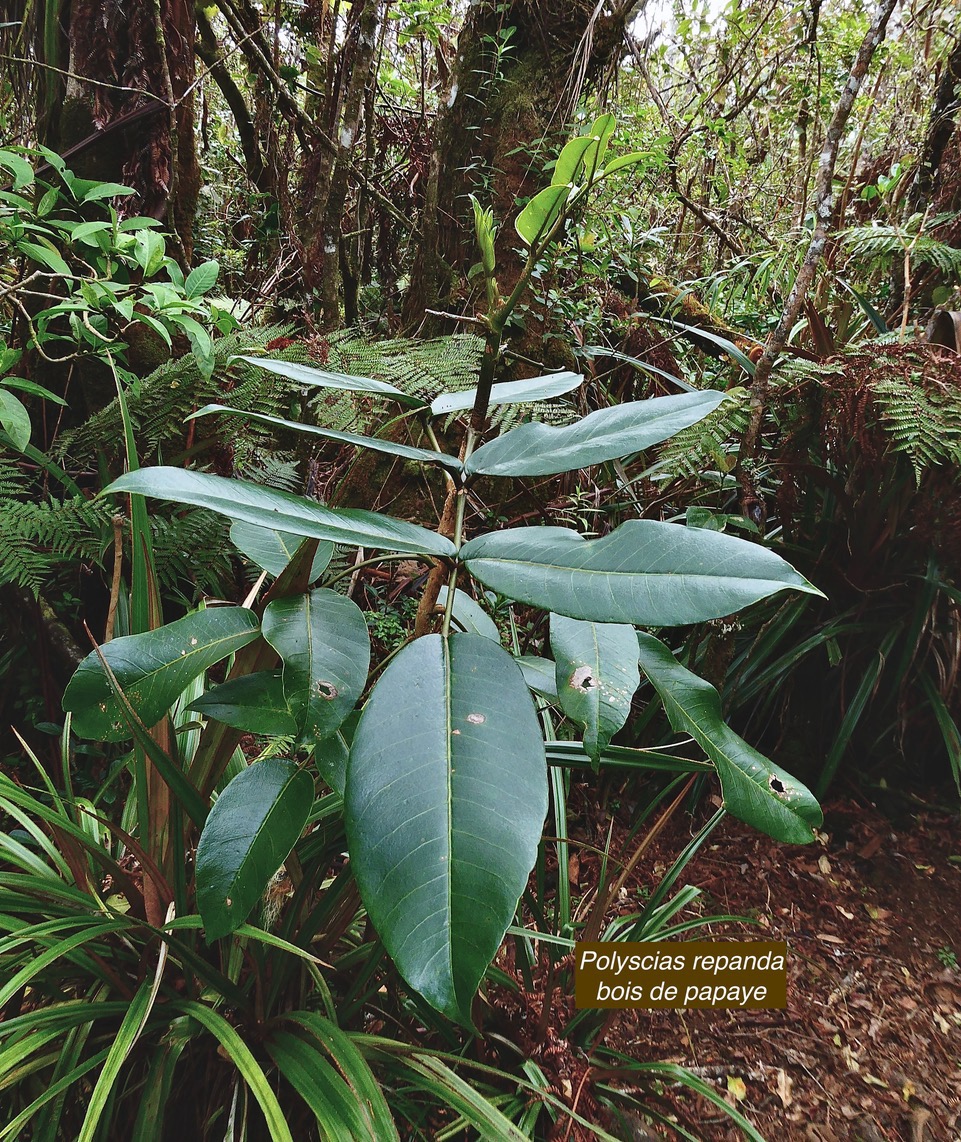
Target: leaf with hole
644, 572
445, 800
537, 449
153, 669
755, 790
596, 676
249, 832
323, 643
282, 511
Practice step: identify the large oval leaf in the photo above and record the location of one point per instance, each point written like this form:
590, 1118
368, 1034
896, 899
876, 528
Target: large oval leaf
537, 449
374, 443
282, 511
271, 550
322, 378
510, 392
251, 828
445, 799
755, 789
644, 572
322, 640
596, 674
469, 615
153, 669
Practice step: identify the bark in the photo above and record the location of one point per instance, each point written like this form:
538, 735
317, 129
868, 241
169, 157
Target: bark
128, 107
942, 124
506, 109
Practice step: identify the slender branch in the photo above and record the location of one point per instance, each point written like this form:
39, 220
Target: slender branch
751, 504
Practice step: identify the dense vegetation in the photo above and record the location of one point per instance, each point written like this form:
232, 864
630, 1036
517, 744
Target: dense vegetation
437, 441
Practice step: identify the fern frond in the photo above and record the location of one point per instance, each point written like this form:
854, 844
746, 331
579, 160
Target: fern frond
708, 443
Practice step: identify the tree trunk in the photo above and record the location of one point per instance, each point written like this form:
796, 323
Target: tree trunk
519, 69
128, 107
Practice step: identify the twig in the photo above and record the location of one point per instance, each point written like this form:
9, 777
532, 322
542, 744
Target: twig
118, 522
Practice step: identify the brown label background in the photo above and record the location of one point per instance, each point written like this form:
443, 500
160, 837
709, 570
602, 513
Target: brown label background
663, 974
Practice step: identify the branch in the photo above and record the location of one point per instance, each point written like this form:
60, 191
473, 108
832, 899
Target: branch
751, 505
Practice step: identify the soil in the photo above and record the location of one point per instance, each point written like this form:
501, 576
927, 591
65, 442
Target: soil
869, 1046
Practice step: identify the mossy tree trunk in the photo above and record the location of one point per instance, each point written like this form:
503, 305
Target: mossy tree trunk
520, 69
127, 111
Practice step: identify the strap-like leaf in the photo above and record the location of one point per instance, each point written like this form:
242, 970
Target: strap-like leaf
755, 789
510, 392
373, 443
446, 796
251, 828
322, 378
253, 503
645, 572
537, 449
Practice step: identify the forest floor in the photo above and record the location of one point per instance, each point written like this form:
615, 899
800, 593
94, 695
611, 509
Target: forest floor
869, 1046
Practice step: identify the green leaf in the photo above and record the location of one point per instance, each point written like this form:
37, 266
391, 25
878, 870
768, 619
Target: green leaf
85, 231
570, 160
484, 229
510, 392
202, 279
32, 387
323, 642
341, 1048
101, 190
157, 326
49, 258
149, 250
644, 572
600, 134
537, 449
18, 166
305, 375
623, 161
445, 800
338, 1114
330, 757
271, 550
755, 790
153, 669
596, 675
469, 615
254, 703
200, 341
248, 835
536, 219
235, 1049
282, 511
374, 443
15, 419
540, 674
